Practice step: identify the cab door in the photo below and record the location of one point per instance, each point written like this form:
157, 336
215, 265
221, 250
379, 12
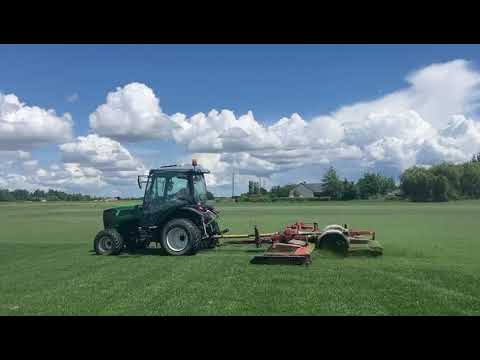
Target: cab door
154, 200
165, 194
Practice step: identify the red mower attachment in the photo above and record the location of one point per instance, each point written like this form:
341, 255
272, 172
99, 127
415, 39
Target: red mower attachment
295, 244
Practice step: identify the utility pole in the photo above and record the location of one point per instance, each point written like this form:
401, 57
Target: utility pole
233, 184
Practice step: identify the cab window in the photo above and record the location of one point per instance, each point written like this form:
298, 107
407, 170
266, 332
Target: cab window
177, 188
200, 188
156, 190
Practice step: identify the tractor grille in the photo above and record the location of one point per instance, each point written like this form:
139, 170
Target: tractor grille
108, 218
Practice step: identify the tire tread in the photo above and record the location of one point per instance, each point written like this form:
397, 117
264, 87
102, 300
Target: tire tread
193, 231
114, 234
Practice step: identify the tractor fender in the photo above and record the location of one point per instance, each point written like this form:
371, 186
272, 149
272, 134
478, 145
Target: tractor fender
178, 212
195, 211
207, 215
328, 233
185, 211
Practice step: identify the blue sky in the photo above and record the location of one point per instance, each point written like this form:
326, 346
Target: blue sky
273, 81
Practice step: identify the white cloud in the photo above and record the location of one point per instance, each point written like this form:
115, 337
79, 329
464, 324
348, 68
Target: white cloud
131, 113
90, 164
94, 155
16, 155
432, 119
100, 152
416, 125
419, 124
72, 177
24, 127
15, 181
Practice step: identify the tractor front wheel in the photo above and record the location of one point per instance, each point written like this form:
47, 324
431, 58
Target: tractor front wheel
108, 242
181, 237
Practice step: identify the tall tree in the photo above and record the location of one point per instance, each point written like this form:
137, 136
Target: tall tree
6, 195
439, 188
331, 184
349, 190
471, 180
453, 173
281, 191
416, 183
368, 185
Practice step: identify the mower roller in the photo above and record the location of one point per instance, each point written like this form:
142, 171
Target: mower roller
175, 215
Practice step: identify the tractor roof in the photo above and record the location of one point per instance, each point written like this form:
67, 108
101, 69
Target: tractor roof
179, 168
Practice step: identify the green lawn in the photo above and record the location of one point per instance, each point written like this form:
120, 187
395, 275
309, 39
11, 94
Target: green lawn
431, 265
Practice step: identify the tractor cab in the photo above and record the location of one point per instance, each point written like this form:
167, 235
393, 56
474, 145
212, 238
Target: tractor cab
171, 185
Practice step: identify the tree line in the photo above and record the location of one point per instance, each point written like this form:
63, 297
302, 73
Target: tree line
370, 185
442, 182
39, 195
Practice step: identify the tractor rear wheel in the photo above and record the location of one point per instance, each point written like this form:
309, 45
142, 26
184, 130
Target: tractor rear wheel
181, 237
108, 242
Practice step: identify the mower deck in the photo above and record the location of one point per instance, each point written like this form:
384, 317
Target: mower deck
298, 241
289, 253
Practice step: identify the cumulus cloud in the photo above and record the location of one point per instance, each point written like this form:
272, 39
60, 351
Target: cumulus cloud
72, 177
14, 155
90, 164
24, 127
131, 113
430, 120
100, 152
30, 175
110, 160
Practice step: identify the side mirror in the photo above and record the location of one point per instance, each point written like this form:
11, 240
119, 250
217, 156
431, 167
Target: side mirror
140, 181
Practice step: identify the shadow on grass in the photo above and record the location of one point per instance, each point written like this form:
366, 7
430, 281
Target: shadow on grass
137, 253
255, 250
330, 254
242, 251
144, 252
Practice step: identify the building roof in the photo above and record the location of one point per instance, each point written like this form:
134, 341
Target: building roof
315, 187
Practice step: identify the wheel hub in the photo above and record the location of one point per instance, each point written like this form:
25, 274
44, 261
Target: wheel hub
177, 239
105, 243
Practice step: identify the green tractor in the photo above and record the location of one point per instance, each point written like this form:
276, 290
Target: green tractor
174, 214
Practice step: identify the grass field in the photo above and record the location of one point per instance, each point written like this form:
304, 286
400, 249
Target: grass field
430, 266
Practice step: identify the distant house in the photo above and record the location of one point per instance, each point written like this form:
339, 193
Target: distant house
306, 190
